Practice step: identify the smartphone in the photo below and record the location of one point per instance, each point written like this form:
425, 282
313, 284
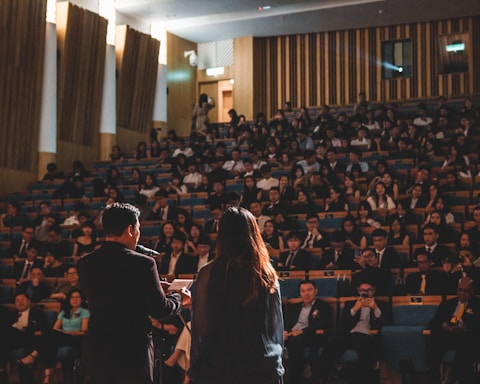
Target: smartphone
364, 295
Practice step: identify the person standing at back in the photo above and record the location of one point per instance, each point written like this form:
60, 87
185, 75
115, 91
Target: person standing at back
124, 293
237, 323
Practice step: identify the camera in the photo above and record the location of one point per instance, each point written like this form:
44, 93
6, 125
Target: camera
364, 295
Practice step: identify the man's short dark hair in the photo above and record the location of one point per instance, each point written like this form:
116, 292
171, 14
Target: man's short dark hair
430, 226
307, 281
119, 216
379, 232
180, 236
55, 228
293, 235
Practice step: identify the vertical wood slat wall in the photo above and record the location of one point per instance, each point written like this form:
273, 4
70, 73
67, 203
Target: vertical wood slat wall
137, 81
22, 43
80, 76
332, 67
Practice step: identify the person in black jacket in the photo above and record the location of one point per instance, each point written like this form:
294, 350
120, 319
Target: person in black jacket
302, 320
237, 324
358, 319
295, 258
21, 328
122, 302
177, 261
455, 325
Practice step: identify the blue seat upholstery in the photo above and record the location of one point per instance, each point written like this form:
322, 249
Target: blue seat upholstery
290, 288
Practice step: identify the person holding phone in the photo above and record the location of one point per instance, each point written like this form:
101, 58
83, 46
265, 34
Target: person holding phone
360, 319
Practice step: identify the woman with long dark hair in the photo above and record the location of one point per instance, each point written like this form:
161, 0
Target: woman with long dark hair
237, 326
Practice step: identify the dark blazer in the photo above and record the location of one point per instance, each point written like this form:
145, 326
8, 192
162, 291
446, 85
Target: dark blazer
421, 203
233, 342
389, 259
345, 261
210, 226
439, 254
320, 317
301, 262
436, 282
446, 309
323, 242
185, 264
36, 320
20, 264
15, 248
36, 294
123, 291
348, 321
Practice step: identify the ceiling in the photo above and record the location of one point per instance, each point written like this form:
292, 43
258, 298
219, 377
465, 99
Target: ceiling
203, 21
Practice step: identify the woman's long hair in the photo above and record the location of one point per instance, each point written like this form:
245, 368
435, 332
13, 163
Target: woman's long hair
239, 241
67, 307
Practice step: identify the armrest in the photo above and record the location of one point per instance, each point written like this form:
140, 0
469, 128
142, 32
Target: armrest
427, 332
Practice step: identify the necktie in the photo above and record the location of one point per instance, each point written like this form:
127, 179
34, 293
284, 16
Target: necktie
215, 225
459, 314
423, 284
26, 269
337, 256
429, 250
308, 241
289, 261
22, 248
161, 213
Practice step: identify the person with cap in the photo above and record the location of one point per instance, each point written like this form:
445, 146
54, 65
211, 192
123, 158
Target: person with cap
360, 320
295, 258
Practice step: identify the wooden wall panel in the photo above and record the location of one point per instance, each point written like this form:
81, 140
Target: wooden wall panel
137, 81
22, 43
81, 46
332, 67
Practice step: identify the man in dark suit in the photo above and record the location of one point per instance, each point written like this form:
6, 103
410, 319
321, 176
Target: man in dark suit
426, 281
295, 258
387, 256
312, 237
161, 210
177, 261
211, 226
56, 245
302, 320
437, 252
21, 328
23, 267
358, 319
122, 302
18, 248
456, 325
338, 256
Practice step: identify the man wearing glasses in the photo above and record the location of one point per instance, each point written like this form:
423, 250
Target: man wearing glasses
360, 321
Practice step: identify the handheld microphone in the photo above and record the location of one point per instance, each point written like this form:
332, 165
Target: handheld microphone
146, 251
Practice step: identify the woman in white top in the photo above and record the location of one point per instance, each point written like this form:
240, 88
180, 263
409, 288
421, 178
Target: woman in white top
150, 187
380, 200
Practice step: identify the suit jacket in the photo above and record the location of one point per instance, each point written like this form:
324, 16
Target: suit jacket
436, 283
421, 203
446, 309
301, 262
319, 317
36, 320
123, 291
323, 242
20, 264
389, 259
439, 254
185, 264
348, 321
15, 248
210, 226
345, 260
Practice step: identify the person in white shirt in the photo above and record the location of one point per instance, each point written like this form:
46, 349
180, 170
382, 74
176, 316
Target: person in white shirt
256, 209
267, 180
193, 178
182, 148
422, 120
235, 165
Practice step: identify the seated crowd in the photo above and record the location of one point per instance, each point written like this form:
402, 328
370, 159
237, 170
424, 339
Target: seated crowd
382, 194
